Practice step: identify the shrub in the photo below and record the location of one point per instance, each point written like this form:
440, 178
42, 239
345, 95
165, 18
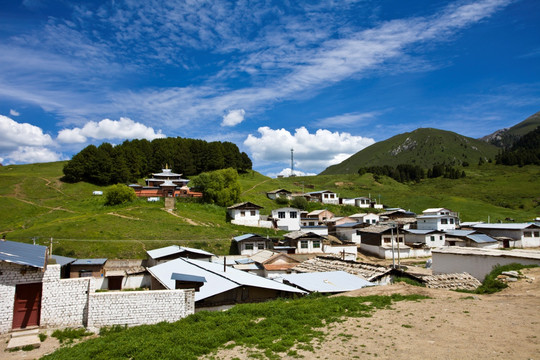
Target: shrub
66, 336
119, 194
492, 285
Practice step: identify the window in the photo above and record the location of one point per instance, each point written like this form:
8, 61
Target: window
537, 234
316, 244
527, 233
432, 238
281, 214
252, 213
441, 237
294, 215
242, 213
387, 240
248, 246
311, 223
260, 246
85, 273
303, 244
451, 221
444, 221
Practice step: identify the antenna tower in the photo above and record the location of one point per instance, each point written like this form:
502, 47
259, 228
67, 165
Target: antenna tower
292, 162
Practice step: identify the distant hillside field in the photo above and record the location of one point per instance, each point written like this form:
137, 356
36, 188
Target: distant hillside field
36, 204
506, 137
423, 147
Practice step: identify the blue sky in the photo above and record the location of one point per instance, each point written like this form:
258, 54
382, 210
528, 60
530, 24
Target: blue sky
326, 78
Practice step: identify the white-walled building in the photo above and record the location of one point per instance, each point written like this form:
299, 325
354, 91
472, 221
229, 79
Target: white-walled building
287, 218
249, 244
368, 218
429, 238
437, 219
325, 197
247, 214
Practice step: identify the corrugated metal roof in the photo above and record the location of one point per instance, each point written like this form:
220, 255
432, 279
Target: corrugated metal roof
327, 282
247, 236
460, 232
62, 260
481, 238
89, 262
349, 224
512, 226
421, 232
23, 254
217, 280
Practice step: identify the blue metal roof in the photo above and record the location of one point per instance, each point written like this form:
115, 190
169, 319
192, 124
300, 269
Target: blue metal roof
23, 254
174, 249
244, 237
62, 260
481, 238
89, 262
327, 282
186, 277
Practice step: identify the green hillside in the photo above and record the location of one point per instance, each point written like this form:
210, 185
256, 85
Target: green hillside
424, 147
506, 137
36, 204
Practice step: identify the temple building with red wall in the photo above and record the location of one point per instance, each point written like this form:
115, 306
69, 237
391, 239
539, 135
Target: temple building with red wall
165, 184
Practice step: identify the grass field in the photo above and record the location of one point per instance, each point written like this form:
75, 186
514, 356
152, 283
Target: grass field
36, 205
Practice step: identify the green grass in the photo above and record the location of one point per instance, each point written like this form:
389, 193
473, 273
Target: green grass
36, 204
270, 329
492, 285
67, 336
408, 281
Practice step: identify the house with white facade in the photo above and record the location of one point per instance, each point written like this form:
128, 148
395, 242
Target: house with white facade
424, 238
249, 244
437, 219
324, 196
349, 232
512, 234
304, 242
287, 218
364, 218
384, 241
247, 214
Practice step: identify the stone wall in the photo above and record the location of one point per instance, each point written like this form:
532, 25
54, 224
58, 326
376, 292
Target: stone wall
139, 307
64, 302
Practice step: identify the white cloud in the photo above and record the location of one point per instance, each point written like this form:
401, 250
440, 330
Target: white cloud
109, 129
31, 154
348, 119
14, 112
233, 118
312, 152
16, 134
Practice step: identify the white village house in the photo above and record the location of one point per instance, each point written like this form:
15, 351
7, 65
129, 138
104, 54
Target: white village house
247, 214
437, 219
287, 218
514, 234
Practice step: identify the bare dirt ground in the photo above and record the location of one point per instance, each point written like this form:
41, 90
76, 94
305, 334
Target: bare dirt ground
450, 325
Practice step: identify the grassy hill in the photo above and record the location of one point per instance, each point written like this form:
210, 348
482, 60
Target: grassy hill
506, 137
36, 204
424, 147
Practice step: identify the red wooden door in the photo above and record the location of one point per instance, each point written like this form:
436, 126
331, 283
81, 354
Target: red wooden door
27, 307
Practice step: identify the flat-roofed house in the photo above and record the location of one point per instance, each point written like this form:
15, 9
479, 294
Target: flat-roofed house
246, 213
324, 196
287, 218
383, 241
437, 219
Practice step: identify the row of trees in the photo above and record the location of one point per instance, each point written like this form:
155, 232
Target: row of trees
525, 151
136, 159
413, 173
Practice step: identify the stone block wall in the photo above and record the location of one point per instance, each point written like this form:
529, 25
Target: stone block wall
139, 307
64, 302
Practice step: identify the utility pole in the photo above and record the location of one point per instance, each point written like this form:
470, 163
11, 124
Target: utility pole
393, 256
398, 256
50, 247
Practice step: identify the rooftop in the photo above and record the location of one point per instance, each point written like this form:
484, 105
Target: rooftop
23, 254
326, 282
515, 253
322, 264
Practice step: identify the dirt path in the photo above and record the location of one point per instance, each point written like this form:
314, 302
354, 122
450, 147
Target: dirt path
188, 220
48, 183
254, 186
124, 216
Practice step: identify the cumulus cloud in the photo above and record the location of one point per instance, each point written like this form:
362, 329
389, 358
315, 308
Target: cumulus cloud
124, 128
31, 154
353, 118
14, 112
312, 152
234, 117
16, 134
287, 172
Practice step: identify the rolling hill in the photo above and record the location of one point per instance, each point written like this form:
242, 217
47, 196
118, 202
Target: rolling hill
424, 147
506, 137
